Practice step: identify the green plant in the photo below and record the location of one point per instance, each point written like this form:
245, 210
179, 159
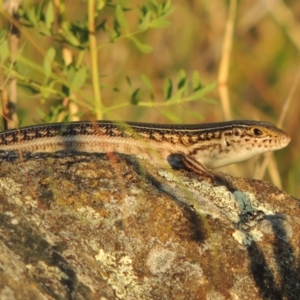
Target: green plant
70, 72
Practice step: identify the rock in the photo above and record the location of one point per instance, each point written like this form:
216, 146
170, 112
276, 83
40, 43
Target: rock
112, 227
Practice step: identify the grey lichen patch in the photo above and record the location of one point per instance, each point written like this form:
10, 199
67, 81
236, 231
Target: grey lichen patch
279, 225
119, 273
90, 214
256, 234
11, 189
249, 203
159, 259
219, 203
246, 238
242, 238
109, 213
128, 206
217, 200
194, 270
169, 176
207, 199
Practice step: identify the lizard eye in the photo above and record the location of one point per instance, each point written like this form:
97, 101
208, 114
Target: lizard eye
257, 131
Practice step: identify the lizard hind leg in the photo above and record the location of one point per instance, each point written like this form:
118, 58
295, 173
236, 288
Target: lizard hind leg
193, 165
183, 161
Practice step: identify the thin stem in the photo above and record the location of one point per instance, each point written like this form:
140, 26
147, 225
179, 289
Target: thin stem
94, 59
225, 59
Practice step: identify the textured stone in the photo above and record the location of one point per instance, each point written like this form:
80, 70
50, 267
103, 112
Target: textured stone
112, 227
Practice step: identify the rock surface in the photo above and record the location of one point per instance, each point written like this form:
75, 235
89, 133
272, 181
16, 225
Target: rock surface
112, 227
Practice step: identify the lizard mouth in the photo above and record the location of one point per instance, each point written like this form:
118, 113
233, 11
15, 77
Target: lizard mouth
285, 140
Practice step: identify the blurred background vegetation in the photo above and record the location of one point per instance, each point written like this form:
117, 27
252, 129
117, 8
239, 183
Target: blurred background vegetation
156, 61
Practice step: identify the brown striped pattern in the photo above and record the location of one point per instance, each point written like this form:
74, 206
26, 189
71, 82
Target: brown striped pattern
211, 144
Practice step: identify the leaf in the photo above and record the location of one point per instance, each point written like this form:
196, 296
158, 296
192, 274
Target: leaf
147, 82
31, 16
28, 87
142, 47
181, 86
121, 18
79, 78
167, 88
167, 8
116, 32
69, 36
128, 80
196, 82
49, 15
43, 29
70, 71
176, 97
200, 93
145, 21
181, 80
48, 60
101, 4
163, 10
160, 23
134, 99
